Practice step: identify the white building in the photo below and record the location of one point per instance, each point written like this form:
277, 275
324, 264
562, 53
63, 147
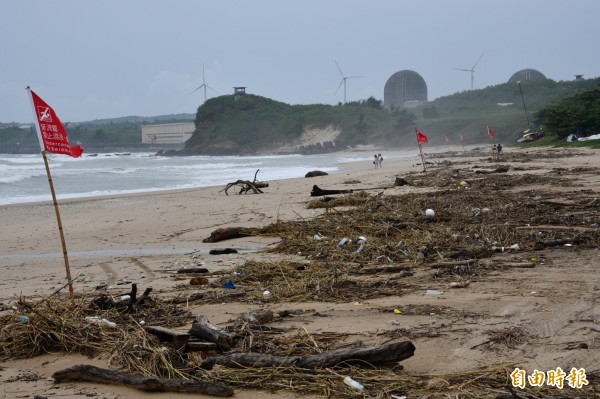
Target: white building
168, 133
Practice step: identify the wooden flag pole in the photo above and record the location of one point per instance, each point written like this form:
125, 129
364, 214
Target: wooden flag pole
60, 228
422, 157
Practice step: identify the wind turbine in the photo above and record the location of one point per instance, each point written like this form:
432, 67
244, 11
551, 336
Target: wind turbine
203, 85
472, 70
343, 81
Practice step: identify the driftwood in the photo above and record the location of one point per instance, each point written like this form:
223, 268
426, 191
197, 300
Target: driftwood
383, 269
88, 373
554, 228
247, 185
555, 243
189, 270
318, 192
372, 355
260, 316
518, 265
202, 329
499, 169
223, 251
199, 296
440, 265
105, 302
166, 335
228, 233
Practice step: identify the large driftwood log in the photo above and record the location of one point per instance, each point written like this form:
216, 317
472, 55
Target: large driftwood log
318, 192
228, 233
202, 329
88, 373
373, 355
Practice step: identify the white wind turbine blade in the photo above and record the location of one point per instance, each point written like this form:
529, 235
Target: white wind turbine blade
477, 62
339, 69
196, 89
340, 85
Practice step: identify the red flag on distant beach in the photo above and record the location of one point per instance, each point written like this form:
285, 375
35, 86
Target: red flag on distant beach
491, 132
421, 138
51, 132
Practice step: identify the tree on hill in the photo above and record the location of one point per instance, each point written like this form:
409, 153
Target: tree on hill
579, 114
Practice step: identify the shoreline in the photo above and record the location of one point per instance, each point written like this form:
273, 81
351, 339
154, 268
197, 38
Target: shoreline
344, 166
453, 331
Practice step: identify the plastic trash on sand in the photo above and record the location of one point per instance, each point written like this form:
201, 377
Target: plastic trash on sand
434, 292
229, 285
361, 241
354, 384
319, 236
342, 242
100, 321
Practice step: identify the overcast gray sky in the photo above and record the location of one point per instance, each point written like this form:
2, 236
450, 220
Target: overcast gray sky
102, 59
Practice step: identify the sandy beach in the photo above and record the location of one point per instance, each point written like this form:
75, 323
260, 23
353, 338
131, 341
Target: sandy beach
551, 310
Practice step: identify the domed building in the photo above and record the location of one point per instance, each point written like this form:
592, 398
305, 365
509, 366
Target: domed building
526, 74
404, 89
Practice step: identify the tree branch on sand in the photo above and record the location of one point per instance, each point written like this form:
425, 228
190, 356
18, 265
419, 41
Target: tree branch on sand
247, 185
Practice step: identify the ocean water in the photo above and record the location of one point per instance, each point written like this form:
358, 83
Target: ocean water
23, 176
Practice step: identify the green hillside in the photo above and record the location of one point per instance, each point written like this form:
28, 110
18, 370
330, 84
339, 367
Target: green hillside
245, 124
248, 124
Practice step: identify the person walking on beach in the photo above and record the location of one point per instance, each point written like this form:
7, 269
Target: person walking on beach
380, 159
494, 152
499, 152
376, 161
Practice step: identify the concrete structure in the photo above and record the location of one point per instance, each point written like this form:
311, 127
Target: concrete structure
168, 133
404, 89
526, 74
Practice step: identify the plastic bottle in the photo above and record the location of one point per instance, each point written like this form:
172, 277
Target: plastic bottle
354, 384
342, 242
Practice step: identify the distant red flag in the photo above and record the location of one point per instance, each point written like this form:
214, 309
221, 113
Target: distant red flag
462, 139
421, 138
491, 132
51, 132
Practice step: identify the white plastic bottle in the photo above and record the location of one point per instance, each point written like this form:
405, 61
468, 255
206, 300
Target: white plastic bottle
354, 384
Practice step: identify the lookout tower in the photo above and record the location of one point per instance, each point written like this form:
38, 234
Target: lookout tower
239, 91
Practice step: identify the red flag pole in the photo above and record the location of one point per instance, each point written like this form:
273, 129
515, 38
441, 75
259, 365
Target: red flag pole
422, 157
421, 138
60, 227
